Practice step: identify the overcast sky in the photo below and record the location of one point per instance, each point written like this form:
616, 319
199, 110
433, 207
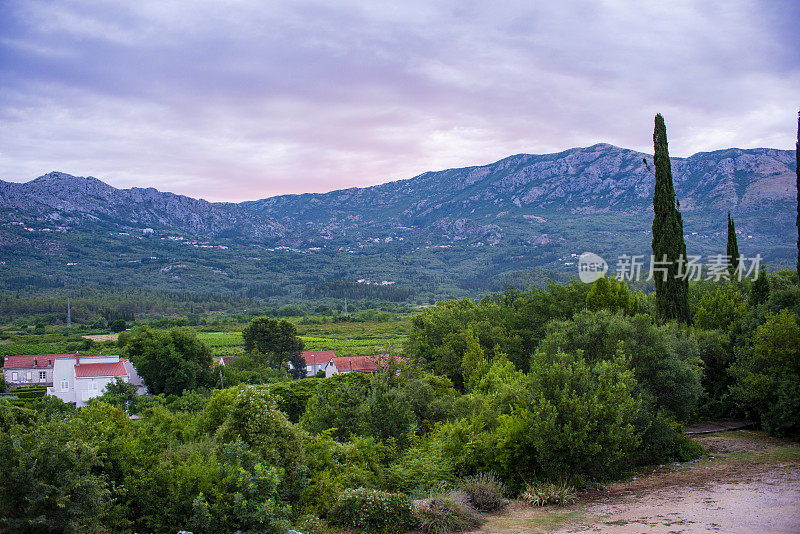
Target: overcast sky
236, 100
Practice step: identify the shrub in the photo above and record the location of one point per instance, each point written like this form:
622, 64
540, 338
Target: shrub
372, 510
768, 372
311, 524
445, 512
664, 441
484, 491
665, 358
542, 494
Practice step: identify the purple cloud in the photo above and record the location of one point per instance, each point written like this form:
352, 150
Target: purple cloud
248, 99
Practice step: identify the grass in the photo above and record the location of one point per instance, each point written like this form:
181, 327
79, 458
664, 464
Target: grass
544, 493
532, 520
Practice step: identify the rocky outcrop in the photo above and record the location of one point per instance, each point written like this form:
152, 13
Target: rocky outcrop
62, 197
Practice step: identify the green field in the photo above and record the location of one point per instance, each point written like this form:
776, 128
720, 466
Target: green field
231, 344
17, 349
345, 339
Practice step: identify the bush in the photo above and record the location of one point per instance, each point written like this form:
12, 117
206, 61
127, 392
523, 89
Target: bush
768, 373
311, 524
372, 511
542, 494
664, 358
664, 441
484, 491
445, 512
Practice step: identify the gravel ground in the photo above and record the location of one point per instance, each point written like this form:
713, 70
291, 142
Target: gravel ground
746, 483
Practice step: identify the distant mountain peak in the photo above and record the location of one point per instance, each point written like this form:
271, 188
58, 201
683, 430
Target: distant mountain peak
469, 227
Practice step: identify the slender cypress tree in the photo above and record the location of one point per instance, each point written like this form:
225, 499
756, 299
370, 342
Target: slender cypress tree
797, 159
733, 248
672, 292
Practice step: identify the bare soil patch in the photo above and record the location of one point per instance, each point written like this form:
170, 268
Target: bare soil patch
99, 338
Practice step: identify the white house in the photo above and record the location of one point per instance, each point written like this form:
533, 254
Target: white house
316, 360
80, 378
28, 370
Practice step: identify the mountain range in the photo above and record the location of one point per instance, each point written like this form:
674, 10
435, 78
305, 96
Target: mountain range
446, 233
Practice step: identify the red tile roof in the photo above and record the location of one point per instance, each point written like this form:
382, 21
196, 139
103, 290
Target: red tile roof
32, 360
318, 357
87, 370
363, 363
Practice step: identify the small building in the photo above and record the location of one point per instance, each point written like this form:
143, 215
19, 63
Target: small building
81, 378
316, 360
225, 360
31, 369
359, 364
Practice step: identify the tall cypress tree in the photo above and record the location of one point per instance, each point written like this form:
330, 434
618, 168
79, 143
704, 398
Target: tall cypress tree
733, 248
672, 292
797, 158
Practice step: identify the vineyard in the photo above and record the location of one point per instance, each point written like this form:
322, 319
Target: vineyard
344, 338
232, 343
18, 349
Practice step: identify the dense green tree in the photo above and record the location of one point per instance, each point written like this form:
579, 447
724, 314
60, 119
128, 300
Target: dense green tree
474, 364
49, 481
732, 251
432, 399
759, 289
716, 353
387, 415
664, 358
510, 323
768, 374
252, 368
797, 171
611, 294
278, 340
337, 406
255, 419
439, 339
721, 308
121, 394
669, 247
11, 415
169, 362
117, 325
585, 414
567, 418
267, 335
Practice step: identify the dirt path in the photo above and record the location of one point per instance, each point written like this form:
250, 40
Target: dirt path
747, 483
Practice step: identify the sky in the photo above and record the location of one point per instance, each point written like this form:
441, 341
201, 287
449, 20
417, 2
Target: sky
239, 100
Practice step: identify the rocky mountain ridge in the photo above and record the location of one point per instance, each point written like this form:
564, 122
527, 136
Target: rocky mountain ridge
86, 200
597, 179
446, 234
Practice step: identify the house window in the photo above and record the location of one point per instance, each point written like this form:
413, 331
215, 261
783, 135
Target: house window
65, 385
30, 374
42, 375
93, 385
14, 376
